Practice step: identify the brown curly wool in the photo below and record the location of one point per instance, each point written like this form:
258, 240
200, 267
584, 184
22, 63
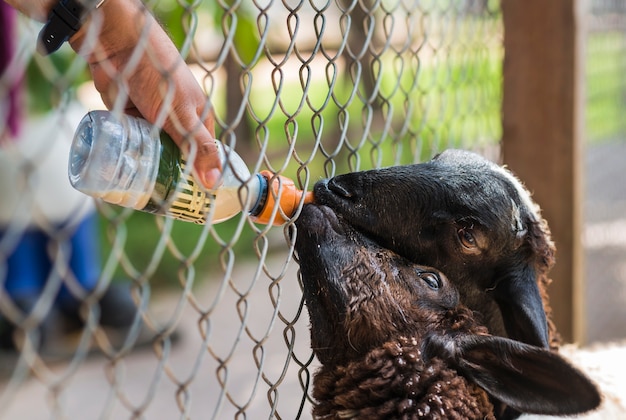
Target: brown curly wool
394, 382
395, 342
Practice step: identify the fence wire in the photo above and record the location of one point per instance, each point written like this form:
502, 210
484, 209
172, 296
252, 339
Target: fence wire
128, 315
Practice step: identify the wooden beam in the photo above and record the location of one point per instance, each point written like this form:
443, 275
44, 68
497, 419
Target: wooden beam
543, 134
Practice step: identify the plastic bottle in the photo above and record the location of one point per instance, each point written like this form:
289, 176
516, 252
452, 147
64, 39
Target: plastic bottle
128, 162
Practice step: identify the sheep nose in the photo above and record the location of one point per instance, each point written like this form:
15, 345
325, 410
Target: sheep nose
337, 188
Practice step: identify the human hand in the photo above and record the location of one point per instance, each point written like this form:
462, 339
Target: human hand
134, 64
131, 58
36, 9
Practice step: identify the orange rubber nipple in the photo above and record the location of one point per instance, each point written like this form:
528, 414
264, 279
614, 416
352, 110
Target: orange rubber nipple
290, 197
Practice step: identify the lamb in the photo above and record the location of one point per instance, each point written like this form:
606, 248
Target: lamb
470, 218
394, 341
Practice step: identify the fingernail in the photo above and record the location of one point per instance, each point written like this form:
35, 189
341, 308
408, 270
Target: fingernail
211, 178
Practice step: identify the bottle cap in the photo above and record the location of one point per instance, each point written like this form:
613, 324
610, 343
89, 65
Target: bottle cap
290, 197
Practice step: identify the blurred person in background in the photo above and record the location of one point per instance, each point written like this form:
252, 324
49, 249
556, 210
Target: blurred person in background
43, 220
155, 80
49, 241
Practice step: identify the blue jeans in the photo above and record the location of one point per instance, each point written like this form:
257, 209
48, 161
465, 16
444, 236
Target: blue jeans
29, 264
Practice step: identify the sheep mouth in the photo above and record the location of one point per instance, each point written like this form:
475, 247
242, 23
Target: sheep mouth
325, 237
326, 244
322, 225
322, 250
332, 194
319, 221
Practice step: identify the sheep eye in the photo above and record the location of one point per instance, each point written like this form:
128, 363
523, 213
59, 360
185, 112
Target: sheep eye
432, 280
466, 238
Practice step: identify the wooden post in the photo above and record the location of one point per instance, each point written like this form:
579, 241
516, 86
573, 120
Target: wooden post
543, 134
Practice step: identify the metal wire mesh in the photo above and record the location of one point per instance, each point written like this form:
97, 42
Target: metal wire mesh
306, 89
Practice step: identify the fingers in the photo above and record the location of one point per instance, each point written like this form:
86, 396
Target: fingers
159, 84
190, 120
207, 163
184, 126
189, 114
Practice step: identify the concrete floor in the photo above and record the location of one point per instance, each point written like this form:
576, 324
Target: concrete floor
186, 382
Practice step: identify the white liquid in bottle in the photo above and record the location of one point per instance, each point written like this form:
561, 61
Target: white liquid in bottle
128, 162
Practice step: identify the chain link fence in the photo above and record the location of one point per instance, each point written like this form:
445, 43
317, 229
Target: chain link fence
108, 313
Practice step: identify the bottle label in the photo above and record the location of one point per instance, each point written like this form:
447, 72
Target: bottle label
191, 202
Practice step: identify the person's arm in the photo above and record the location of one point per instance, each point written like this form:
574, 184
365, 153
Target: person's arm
36, 9
157, 78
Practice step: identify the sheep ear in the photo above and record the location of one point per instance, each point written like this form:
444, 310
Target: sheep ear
519, 299
527, 378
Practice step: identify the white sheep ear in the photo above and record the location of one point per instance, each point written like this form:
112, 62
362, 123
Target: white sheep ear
527, 378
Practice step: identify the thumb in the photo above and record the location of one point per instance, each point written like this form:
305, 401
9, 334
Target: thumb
207, 164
